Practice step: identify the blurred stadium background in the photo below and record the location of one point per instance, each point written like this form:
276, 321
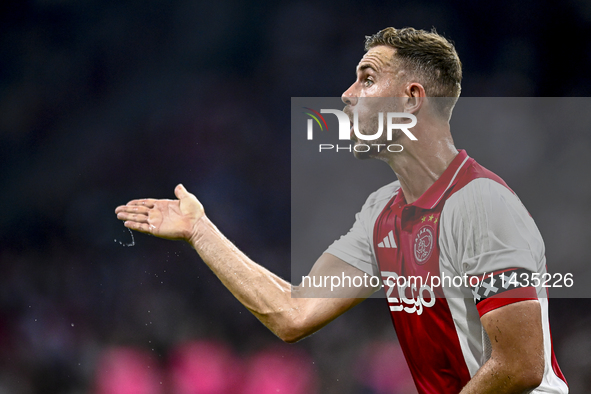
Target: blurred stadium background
105, 101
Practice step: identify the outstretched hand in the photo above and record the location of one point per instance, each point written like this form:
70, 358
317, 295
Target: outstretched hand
169, 219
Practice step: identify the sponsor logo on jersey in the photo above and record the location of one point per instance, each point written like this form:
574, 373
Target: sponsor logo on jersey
412, 296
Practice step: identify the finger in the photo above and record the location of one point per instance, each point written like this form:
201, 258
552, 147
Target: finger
132, 209
146, 202
141, 227
180, 192
138, 218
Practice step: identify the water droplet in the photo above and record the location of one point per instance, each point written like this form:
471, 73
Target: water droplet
128, 244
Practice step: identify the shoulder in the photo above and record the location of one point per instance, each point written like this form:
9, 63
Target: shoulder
485, 217
376, 202
484, 204
356, 247
483, 196
381, 196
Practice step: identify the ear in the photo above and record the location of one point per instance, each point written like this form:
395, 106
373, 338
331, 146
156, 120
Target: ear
415, 96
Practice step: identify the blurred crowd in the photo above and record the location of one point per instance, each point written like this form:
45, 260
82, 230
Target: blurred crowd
105, 101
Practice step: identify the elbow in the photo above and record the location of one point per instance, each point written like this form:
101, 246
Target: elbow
292, 324
289, 338
293, 331
531, 379
530, 373
292, 334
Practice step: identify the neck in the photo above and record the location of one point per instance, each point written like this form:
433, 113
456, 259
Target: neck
422, 162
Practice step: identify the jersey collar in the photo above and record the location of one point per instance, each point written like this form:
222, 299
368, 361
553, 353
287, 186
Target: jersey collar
434, 194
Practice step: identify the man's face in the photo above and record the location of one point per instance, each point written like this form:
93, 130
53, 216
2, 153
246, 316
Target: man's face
377, 82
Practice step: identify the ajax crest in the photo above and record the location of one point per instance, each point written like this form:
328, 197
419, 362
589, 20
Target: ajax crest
423, 244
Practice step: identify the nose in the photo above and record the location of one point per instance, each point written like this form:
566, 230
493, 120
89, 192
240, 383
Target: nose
349, 96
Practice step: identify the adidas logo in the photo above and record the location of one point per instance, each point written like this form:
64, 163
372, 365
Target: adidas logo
388, 241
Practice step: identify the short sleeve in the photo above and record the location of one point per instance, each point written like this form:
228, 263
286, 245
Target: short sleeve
356, 247
487, 233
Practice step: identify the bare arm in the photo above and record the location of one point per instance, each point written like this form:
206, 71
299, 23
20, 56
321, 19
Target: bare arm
516, 364
270, 298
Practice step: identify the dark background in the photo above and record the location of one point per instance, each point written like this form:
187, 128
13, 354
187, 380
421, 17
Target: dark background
105, 101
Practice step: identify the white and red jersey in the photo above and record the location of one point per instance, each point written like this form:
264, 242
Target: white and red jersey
467, 224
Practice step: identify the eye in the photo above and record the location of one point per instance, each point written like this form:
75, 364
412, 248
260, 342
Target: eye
368, 82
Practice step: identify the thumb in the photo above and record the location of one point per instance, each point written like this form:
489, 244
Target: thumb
180, 192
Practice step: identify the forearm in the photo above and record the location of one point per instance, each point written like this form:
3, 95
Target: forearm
265, 294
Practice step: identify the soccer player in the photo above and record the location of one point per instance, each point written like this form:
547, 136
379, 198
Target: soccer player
446, 216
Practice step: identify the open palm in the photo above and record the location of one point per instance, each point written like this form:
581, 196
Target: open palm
169, 219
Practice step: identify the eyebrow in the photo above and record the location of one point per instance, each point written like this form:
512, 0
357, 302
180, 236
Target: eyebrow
364, 67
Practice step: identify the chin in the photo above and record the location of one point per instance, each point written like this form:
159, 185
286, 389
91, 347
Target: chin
361, 155
370, 154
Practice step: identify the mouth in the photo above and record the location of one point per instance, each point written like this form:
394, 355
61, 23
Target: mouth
349, 113
351, 131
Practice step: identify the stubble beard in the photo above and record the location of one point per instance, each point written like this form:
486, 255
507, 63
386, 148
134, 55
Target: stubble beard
377, 148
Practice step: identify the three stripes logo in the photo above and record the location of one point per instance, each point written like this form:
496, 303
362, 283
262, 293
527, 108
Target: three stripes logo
388, 241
